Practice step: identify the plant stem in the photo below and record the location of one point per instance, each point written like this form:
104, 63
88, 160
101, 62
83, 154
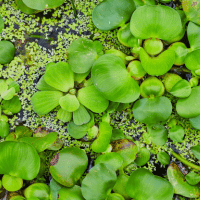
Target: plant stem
74, 7
184, 161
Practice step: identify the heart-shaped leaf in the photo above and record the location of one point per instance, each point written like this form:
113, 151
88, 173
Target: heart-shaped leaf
163, 158
159, 65
143, 157
99, 182
19, 159
151, 111
190, 106
157, 21
60, 76
7, 52
176, 133
81, 116
45, 101
81, 55
110, 14
170, 80
142, 184
11, 106
192, 60
195, 122
111, 78
68, 166
92, 99
117, 134
193, 35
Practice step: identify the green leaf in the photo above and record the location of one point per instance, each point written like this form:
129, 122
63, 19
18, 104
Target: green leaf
43, 86
190, 106
4, 129
1, 24
192, 178
142, 184
11, 106
19, 159
192, 60
151, 111
64, 115
143, 156
163, 158
153, 46
195, 122
23, 131
193, 35
157, 21
126, 38
7, 52
170, 80
115, 196
152, 65
21, 6
113, 159
81, 116
177, 179
99, 182
111, 78
41, 143
60, 76
118, 53
110, 14
81, 55
196, 151
80, 77
176, 133
158, 134
92, 99
192, 9
43, 4
68, 166
54, 189
45, 101
8, 94
117, 134
3, 86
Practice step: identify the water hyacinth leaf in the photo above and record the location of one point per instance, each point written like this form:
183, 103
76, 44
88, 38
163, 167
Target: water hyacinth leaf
79, 131
39, 190
41, 143
192, 60
43, 86
195, 122
170, 80
54, 189
11, 83
43, 5
113, 159
60, 76
176, 133
166, 18
117, 134
92, 99
150, 111
81, 55
193, 35
1, 24
81, 116
7, 52
177, 179
19, 159
192, 9
21, 6
11, 106
190, 106
98, 46
192, 178
4, 129
143, 157
152, 86
159, 65
3, 86
163, 158
64, 115
158, 134
103, 138
127, 149
110, 14
99, 182
118, 53
142, 184
45, 101
115, 196
68, 166
153, 46
80, 77
111, 78
8, 94
196, 151
181, 89
73, 193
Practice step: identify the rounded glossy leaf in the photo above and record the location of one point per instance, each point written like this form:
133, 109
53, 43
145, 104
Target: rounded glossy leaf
163, 158
45, 101
81, 55
117, 134
4, 129
111, 78
81, 116
21, 6
111, 14
151, 111
193, 35
190, 106
192, 178
195, 122
176, 133
142, 184
19, 159
7, 52
166, 18
196, 151
99, 182
11, 106
170, 80
68, 166
118, 53
143, 156
115, 196
192, 60
60, 76
152, 86
179, 183
159, 65
92, 99
153, 46
43, 4
64, 115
